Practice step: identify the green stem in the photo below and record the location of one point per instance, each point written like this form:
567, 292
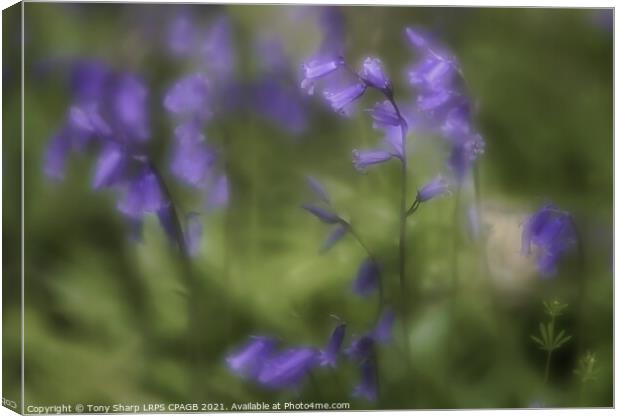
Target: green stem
550, 350
358, 238
547, 366
191, 284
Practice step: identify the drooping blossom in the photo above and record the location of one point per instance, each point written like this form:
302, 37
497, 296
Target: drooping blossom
249, 359
548, 234
384, 115
436, 187
181, 35
192, 159
329, 355
373, 75
337, 233
442, 100
318, 189
339, 99
111, 165
363, 159
110, 108
288, 368
382, 332
217, 49
143, 194
367, 279
361, 348
317, 69
324, 212
218, 195
189, 97
367, 387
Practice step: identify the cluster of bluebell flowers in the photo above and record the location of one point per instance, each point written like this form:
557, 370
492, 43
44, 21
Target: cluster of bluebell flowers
262, 359
109, 112
325, 71
548, 234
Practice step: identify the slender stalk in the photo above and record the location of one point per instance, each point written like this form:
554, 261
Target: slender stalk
402, 240
404, 212
191, 283
547, 366
358, 238
549, 351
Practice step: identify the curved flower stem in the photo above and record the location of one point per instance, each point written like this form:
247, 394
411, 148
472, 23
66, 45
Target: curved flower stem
190, 281
358, 238
414, 207
549, 352
402, 240
547, 366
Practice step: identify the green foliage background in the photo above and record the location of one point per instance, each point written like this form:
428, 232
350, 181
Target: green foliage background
105, 319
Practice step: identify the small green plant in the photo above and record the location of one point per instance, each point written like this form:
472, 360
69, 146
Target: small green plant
548, 340
586, 372
586, 369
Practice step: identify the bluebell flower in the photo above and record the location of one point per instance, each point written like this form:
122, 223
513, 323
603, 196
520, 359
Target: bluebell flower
336, 234
318, 189
322, 214
434, 101
110, 167
361, 348
249, 359
317, 69
130, 108
219, 192
181, 36
367, 280
58, 150
143, 195
393, 138
329, 355
367, 388
373, 75
437, 76
189, 97
218, 50
88, 80
287, 369
457, 122
552, 233
87, 120
168, 221
382, 332
345, 96
384, 115
433, 73
191, 159
465, 150
436, 187
363, 159
437, 71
